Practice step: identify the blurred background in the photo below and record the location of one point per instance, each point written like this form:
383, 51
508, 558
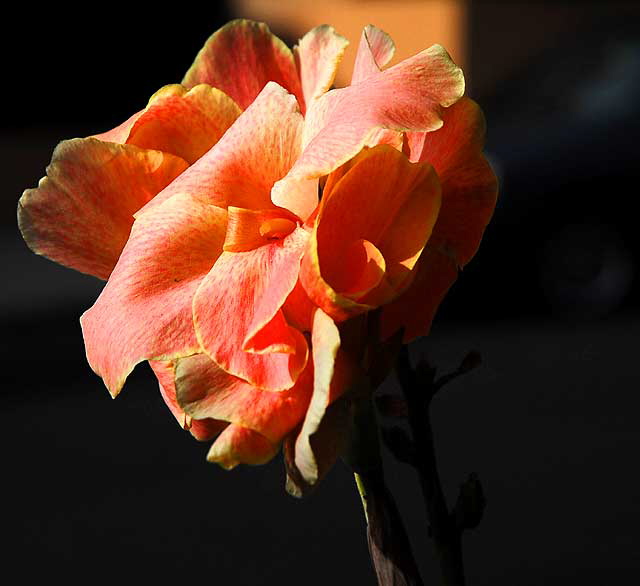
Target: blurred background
95, 487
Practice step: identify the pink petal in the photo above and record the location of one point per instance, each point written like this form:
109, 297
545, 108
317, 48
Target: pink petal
204, 429
376, 49
238, 317
407, 96
204, 391
80, 215
144, 312
240, 58
317, 56
258, 149
240, 445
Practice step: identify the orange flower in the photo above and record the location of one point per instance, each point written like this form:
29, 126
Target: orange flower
226, 271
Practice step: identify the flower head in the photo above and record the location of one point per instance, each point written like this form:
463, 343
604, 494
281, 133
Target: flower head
249, 219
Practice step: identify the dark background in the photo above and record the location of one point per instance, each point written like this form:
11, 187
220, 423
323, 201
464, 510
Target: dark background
95, 489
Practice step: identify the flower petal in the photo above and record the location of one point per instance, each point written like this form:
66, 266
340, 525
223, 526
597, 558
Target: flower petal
469, 186
185, 123
80, 215
317, 56
238, 318
469, 192
376, 49
240, 58
415, 309
203, 429
407, 96
204, 390
257, 150
144, 312
331, 376
240, 445
372, 226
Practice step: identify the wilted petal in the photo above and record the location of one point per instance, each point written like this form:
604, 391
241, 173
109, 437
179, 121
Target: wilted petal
376, 49
203, 429
144, 312
317, 56
258, 149
240, 445
406, 97
238, 317
80, 215
240, 58
372, 226
204, 390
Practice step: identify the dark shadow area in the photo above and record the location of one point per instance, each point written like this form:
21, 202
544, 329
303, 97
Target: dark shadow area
97, 490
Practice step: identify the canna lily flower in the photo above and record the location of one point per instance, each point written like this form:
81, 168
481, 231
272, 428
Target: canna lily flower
227, 271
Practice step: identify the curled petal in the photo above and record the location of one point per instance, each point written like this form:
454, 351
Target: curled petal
240, 58
320, 439
372, 226
376, 49
249, 229
204, 391
186, 123
406, 97
144, 312
317, 56
240, 445
81, 213
238, 313
258, 149
202, 429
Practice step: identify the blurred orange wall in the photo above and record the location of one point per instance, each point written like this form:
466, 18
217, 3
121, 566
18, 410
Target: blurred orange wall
413, 24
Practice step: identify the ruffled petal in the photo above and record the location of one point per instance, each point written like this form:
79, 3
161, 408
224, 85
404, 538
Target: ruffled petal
258, 149
240, 58
238, 316
331, 377
120, 133
144, 312
376, 49
406, 97
203, 429
469, 185
204, 391
81, 213
372, 226
186, 123
241, 445
317, 56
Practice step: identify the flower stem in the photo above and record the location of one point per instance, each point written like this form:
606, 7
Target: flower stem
387, 537
444, 528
